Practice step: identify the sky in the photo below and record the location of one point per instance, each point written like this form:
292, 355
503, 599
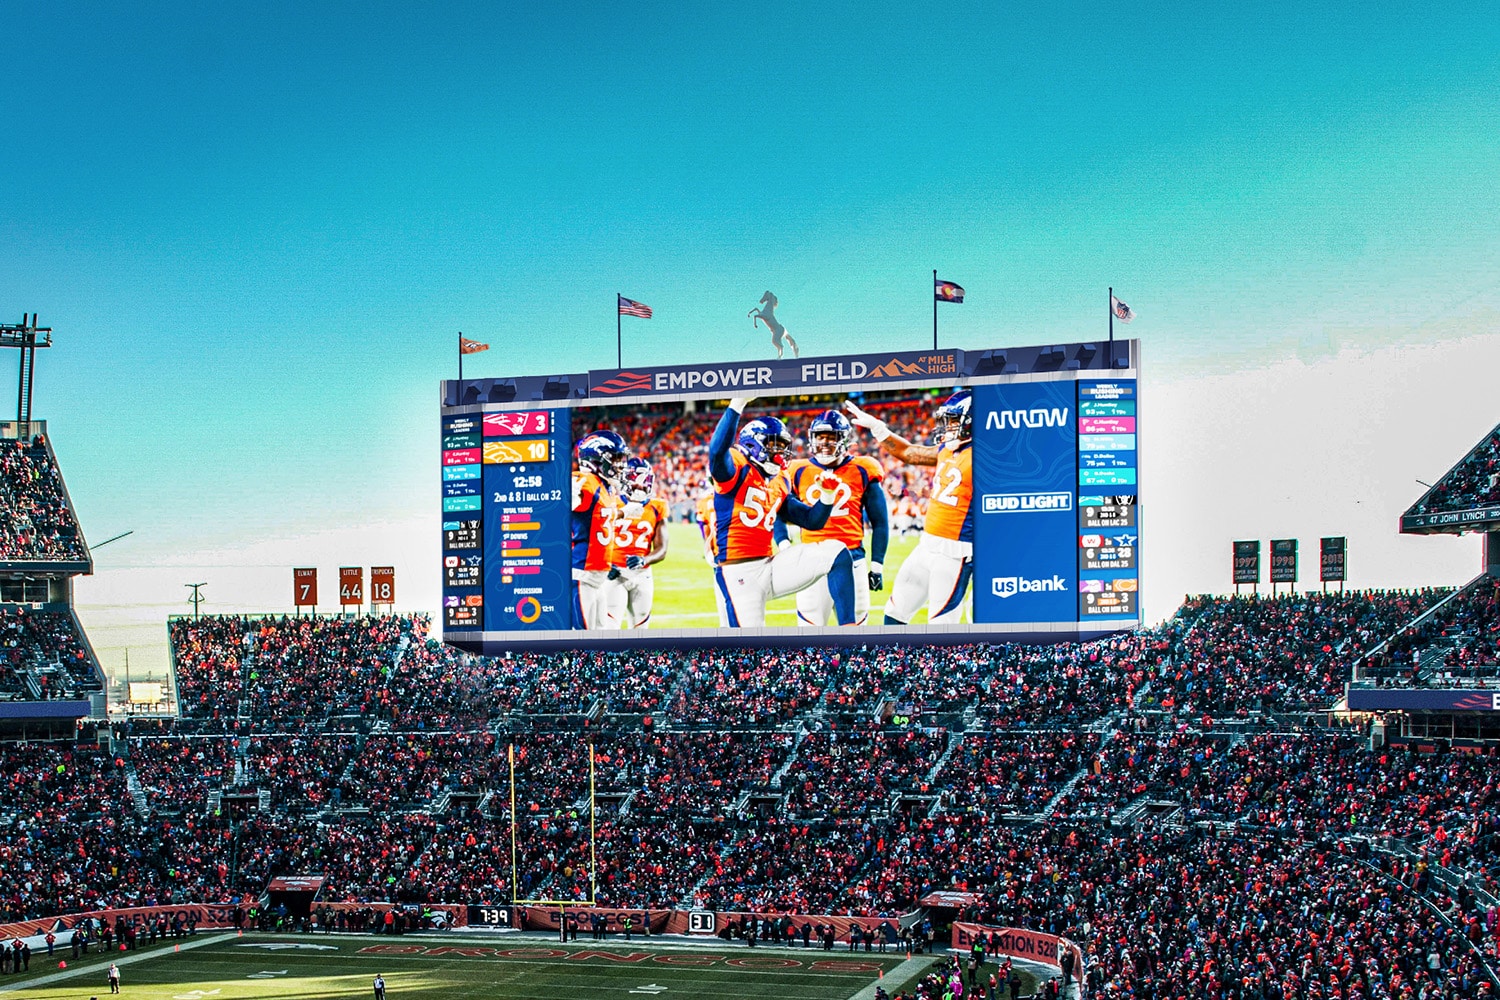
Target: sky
256, 232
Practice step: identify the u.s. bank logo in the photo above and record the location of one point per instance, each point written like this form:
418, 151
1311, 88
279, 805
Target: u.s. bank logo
1009, 586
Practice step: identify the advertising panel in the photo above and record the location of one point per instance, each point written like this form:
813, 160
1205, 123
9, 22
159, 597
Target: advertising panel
1024, 473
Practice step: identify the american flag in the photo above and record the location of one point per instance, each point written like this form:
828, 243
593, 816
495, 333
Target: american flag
1121, 310
630, 307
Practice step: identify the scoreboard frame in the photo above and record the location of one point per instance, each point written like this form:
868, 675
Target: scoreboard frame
473, 412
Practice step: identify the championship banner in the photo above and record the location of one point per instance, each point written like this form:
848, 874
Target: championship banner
1331, 560
304, 588
1246, 563
1283, 560
351, 585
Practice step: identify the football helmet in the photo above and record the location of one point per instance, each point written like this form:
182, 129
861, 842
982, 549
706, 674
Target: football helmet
639, 481
828, 437
603, 453
765, 441
955, 418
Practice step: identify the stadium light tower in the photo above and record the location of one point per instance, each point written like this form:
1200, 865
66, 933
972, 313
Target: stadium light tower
24, 337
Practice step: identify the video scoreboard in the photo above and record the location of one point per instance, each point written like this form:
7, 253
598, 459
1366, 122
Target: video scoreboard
1050, 545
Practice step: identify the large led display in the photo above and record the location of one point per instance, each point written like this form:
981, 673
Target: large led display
831, 500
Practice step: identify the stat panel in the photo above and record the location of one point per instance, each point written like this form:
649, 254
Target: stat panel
505, 521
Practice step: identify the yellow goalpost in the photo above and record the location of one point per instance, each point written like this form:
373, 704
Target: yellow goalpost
516, 900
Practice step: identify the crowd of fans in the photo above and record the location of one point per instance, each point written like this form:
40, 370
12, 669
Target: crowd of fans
1459, 640
1475, 482
39, 524
42, 655
1141, 795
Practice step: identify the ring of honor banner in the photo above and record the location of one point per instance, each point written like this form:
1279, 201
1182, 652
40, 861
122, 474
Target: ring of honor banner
304, 588
1247, 563
1331, 560
351, 586
1283, 560
382, 585
1041, 535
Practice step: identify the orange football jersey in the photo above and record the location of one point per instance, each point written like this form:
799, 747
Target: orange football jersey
745, 511
844, 487
948, 507
634, 535
594, 510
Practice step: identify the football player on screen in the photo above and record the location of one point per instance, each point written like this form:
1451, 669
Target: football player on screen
640, 542
937, 572
750, 493
601, 463
851, 483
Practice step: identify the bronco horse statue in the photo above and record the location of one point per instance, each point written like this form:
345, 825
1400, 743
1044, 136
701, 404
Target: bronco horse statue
767, 314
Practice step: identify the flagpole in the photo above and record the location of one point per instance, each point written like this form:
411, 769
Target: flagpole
460, 362
934, 310
1111, 315
619, 352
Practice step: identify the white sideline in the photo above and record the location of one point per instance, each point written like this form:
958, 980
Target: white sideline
127, 959
899, 974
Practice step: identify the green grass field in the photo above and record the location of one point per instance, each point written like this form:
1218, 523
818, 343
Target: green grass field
218, 966
685, 584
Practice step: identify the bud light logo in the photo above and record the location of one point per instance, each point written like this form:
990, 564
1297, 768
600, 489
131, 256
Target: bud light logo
1010, 586
1025, 503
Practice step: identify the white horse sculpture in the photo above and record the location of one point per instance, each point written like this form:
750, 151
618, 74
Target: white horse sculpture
767, 314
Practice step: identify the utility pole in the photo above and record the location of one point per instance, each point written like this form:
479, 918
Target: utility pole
197, 598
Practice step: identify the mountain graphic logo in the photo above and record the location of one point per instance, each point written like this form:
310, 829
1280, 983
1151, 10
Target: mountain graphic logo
895, 368
624, 382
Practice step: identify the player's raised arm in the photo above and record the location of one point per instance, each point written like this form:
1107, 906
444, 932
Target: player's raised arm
877, 515
912, 454
720, 465
805, 515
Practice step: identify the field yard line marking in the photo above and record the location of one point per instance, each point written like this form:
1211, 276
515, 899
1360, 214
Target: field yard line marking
900, 974
128, 959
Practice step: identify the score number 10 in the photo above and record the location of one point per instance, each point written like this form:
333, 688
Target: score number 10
501, 452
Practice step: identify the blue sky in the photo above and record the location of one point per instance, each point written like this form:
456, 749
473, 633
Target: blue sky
257, 230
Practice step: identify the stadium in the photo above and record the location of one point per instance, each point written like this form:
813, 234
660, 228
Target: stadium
1230, 803
782, 653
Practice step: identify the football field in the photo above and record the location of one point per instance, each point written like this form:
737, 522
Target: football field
685, 584
224, 966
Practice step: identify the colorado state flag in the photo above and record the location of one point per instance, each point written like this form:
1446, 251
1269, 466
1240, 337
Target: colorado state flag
947, 291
